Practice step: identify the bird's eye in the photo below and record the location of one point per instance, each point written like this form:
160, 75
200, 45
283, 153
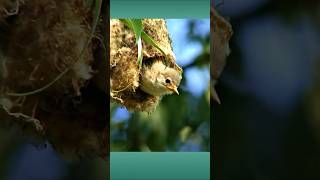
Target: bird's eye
168, 81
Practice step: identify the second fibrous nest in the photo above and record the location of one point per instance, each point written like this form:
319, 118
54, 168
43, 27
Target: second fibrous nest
46, 72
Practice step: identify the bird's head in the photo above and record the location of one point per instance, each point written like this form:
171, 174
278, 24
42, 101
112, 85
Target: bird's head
158, 79
170, 79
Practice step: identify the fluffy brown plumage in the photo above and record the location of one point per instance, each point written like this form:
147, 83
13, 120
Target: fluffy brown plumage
157, 79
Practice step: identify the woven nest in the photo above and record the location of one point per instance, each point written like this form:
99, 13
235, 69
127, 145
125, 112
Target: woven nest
124, 68
45, 75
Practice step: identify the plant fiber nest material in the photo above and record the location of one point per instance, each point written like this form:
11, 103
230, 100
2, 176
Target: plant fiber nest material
124, 67
37, 44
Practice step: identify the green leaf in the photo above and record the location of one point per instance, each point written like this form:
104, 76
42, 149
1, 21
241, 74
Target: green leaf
140, 52
127, 23
151, 41
136, 26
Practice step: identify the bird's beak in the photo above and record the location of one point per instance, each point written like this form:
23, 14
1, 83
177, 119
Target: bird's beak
173, 88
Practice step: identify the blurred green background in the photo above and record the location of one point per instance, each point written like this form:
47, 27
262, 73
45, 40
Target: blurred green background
180, 122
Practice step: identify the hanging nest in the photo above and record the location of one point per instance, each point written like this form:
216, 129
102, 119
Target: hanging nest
124, 67
46, 68
221, 32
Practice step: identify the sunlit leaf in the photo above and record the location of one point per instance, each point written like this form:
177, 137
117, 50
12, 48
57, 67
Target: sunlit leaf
151, 41
136, 26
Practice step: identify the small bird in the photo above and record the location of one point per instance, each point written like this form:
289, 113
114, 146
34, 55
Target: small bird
157, 79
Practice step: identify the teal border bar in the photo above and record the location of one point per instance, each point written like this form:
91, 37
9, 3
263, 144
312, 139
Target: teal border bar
160, 166
180, 9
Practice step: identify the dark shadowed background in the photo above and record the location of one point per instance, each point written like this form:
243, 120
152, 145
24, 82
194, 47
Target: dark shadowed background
268, 124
